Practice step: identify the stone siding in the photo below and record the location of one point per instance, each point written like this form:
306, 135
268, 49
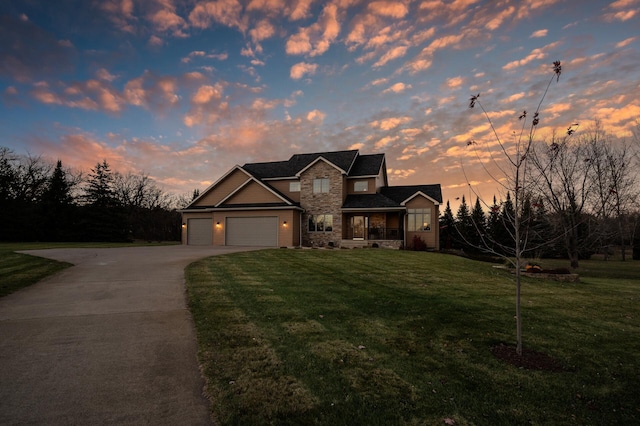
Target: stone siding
322, 203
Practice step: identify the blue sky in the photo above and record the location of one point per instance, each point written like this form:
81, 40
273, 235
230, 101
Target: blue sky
183, 90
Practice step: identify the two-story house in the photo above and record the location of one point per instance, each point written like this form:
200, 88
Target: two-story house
339, 199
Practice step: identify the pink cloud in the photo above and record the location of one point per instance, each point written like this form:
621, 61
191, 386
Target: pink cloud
397, 88
225, 12
300, 69
393, 9
394, 53
317, 38
539, 33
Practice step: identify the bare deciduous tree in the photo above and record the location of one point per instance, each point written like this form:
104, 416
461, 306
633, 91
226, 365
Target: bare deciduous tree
513, 175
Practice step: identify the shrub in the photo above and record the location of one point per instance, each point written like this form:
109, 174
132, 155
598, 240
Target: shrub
419, 244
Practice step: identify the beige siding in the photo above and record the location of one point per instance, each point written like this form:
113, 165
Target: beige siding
283, 187
253, 193
225, 187
371, 187
432, 237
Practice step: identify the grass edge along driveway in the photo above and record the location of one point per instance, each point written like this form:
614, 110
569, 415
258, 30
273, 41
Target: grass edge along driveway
397, 337
18, 270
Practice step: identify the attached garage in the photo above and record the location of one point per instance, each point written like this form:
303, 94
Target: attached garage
200, 232
259, 231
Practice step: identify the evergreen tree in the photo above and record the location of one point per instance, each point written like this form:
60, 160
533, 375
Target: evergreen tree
103, 218
99, 191
447, 228
464, 225
479, 226
493, 225
505, 232
57, 206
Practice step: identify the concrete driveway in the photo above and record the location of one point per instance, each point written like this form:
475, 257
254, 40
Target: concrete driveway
107, 341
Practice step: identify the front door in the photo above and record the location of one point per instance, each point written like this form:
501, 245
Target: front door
359, 226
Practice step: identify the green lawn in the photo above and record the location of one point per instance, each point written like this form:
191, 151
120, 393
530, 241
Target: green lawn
350, 337
21, 270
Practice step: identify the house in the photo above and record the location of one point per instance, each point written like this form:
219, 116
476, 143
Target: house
339, 199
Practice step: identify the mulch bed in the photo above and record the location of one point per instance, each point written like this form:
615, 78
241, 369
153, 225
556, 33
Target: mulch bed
529, 360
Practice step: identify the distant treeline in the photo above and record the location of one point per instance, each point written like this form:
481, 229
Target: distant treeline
42, 201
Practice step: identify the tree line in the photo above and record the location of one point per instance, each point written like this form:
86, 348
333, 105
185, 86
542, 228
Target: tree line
45, 201
581, 197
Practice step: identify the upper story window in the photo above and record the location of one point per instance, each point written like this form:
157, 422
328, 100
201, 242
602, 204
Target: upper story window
294, 186
418, 220
361, 186
320, 185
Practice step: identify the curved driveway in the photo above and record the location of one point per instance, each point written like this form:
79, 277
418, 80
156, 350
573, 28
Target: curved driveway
107, 341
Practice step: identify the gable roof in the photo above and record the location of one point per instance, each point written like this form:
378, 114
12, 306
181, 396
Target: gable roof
343, 160
402, 194
367, 165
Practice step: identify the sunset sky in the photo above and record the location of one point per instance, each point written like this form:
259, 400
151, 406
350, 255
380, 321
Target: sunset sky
183, 90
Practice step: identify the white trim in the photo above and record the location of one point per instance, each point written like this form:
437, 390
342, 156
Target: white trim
373, 209
323, 159
231, 209
420, 193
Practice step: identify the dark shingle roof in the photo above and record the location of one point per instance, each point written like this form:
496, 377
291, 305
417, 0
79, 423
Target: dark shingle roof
367, 165
368, 201
269, 170
401, 193
289, 168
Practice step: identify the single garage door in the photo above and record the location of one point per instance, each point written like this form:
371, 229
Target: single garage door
199, 232
252, 231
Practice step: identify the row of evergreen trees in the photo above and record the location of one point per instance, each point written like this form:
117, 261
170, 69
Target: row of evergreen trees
475, 231
42, 202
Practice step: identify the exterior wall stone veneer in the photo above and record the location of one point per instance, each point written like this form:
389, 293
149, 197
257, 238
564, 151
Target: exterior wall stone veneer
322, 203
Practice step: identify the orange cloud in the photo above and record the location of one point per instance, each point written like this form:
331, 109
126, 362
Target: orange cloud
300, 69
225, 12
392, 9
316, 39
390, 123
397, 88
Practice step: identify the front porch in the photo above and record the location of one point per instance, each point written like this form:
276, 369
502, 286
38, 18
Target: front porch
373, 229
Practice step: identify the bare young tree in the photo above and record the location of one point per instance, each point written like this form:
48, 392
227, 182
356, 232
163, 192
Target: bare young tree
511, 171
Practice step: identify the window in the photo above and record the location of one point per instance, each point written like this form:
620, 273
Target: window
418, 220
320, 223
361, 186
320, 185
294, 186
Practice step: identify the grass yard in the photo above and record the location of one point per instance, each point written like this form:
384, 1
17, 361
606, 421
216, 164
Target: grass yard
382, 337
19, 270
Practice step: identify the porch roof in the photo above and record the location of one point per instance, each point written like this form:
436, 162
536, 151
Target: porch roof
370, 201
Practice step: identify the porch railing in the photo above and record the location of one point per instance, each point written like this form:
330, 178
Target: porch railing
377, 234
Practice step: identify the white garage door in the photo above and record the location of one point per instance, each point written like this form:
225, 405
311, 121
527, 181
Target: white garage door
252, 231
199, 232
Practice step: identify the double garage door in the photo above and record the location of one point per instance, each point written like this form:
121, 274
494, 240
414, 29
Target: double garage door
239, 231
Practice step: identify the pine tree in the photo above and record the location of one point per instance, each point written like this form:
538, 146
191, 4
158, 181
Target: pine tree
99, 191
479, 226
464, 225
57, 206
493, 226
505, 231
447, 228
